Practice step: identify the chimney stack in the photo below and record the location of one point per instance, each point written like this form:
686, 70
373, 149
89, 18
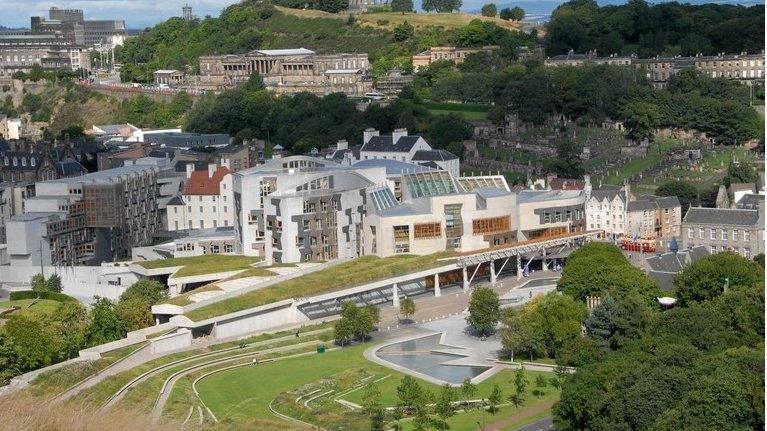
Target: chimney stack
189, 169
397, 134
367, 134
342, 144
211, 169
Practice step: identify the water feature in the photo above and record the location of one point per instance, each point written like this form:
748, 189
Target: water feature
540, 282
419, 355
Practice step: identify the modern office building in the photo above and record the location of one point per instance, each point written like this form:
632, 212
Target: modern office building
88, 219
93, 32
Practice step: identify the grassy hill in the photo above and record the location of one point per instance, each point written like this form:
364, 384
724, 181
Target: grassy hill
389, 20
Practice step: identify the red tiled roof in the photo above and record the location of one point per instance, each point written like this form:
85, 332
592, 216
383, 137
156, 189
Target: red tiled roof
200, 184
566, 184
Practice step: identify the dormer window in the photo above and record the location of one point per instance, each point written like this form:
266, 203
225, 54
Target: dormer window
15, 161
32, 161
6, 160
23, 161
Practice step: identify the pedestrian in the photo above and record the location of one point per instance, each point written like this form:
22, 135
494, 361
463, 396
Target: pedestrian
255, 360
297, 333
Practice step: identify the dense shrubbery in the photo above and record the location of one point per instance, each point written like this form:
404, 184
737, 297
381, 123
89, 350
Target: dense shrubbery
649, 30
32, 341
694, 367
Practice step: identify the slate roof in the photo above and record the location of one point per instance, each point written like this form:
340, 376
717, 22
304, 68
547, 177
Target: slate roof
742, 187
70, 167
640, 205
664, 267
175, 200
393, 167
668, 201
384, 144
201, 184
722, 216
433, 155
199, 165
566, 184
750, 201
607, 192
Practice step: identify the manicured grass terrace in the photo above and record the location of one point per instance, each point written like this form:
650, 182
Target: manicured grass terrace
245, 393
40, 306
206, 264
347, 274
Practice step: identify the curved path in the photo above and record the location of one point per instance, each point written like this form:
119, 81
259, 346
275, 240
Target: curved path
167, 386
117, 396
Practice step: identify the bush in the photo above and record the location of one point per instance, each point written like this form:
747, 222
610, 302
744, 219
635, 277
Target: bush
30, 294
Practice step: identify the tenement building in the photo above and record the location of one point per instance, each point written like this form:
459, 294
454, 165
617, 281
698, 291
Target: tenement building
573, 59
723, 229
205, 202
89, 219
289, 71
406, 148
745, 68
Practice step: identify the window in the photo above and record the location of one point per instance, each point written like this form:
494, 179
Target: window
734, 234
490, 225
713, 249
713, 234
401, 239
427, 230
690, 233
175, 210
214, 208
700, 233
746, 236
176, 224
724, 234
189, 209
202, 224
200, 209
190, 224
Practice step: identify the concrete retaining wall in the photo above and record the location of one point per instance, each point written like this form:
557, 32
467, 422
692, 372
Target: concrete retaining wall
170, 342
286, 314
80, 282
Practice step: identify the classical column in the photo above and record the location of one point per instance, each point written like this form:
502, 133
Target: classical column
437, 290
395, 295
543, 262
464, 271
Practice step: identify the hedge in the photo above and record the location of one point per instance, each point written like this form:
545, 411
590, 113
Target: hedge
31, 294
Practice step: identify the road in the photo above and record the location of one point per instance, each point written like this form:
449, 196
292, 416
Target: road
545, 424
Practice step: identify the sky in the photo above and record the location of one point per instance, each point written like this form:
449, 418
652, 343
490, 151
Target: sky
139, 14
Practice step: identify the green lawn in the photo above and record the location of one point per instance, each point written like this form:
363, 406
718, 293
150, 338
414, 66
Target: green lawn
244, 393
206, 264
347, 274
467, 115
40, 306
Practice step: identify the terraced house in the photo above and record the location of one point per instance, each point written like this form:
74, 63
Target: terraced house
740, 230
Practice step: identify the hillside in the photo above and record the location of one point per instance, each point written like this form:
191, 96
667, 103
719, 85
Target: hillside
177, 44
389, 20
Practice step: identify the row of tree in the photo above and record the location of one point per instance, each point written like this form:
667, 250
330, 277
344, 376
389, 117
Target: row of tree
515, 13
667, 28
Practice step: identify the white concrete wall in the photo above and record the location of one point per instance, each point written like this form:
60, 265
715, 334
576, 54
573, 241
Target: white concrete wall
171, 342
285, 315
81, 282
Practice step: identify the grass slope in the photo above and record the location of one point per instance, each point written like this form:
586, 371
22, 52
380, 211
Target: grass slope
245, 393
347, 274
389, 20
40, 307
205, 264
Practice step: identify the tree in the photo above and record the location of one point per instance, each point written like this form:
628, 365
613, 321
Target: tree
739, 173
407, 307
512, 335
600, 325
506, 14
105, 325
444, 407
520, 386
9, 360
429, 5
685, 191
343, 331
34, 346
495, 397
38, 283
490, 10
135, 313
484, 310
568, 163
403, 32
759, 258
402, 6
641, 119
550, 322
468, 389
708, 277
150, 291
517, 13
409, 393
540, 381
67, 324
371, 405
